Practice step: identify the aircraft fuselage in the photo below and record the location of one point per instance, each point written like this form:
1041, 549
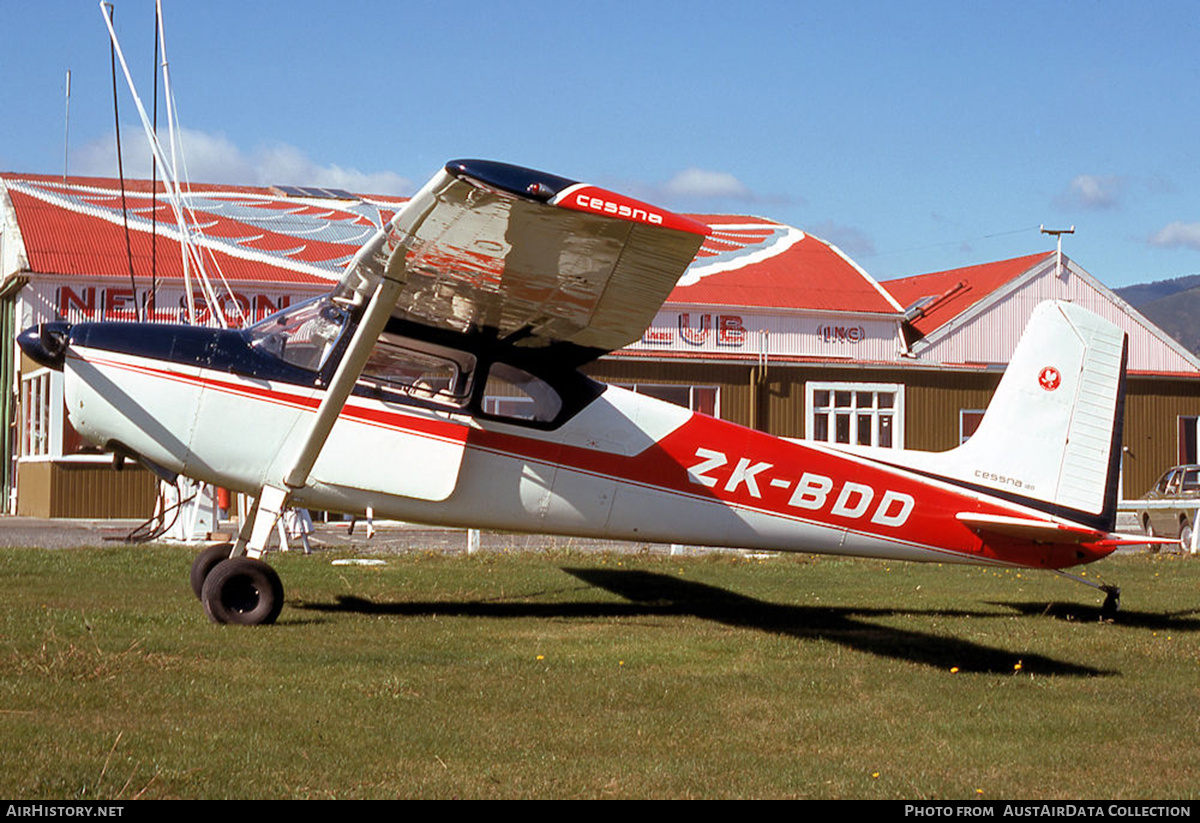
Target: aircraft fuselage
206, 404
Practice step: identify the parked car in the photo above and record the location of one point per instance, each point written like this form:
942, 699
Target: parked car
1178, 483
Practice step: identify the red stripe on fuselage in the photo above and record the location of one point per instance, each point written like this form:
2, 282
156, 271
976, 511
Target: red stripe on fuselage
410, 423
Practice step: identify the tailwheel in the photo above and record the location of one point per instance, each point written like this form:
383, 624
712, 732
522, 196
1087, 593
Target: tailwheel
1112, 602
205, 562
243, 591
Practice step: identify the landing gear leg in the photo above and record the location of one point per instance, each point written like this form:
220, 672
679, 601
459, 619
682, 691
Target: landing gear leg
240, 588
1112, 594
243, 589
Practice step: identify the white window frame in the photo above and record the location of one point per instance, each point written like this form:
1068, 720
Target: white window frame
876, 413
963, 437
39, 395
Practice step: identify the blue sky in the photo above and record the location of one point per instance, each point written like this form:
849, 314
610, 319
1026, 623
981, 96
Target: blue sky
918, 136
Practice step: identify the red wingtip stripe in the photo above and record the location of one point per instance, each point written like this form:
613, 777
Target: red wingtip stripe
595, 200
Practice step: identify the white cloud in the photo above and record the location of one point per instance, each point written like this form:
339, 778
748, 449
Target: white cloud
702, 183
1176, 235
213, 158
1093, 191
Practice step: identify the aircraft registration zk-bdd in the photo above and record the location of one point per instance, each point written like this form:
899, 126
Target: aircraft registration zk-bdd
439, 383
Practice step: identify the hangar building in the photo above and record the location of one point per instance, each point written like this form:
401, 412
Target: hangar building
770, 326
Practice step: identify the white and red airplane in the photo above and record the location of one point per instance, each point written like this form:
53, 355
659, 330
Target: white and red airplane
439, 383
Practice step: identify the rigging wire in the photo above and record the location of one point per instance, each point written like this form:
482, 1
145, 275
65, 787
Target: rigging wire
121, 167
189, 298
154, 184
958, 242
181, 210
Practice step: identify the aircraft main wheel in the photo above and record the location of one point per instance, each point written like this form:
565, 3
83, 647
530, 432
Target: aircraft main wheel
205, 562
243, 591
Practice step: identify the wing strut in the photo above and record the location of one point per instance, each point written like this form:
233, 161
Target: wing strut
273, 498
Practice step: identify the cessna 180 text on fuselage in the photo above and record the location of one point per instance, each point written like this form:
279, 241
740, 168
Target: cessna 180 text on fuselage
439, 383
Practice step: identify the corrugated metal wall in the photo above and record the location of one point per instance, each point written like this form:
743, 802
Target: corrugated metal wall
84, 490
991, 336
1153, 407
933, 400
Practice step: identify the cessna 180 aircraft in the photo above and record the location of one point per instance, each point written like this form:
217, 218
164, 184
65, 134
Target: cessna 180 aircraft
439, 383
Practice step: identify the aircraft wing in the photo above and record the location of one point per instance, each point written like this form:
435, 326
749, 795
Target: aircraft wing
528, 259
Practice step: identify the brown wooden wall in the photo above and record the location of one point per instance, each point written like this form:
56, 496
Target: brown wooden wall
87, 490
1153, 407
933, 400
732, 380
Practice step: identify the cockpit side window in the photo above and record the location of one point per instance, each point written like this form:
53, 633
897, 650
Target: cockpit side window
516, 394
303, 335
400, 368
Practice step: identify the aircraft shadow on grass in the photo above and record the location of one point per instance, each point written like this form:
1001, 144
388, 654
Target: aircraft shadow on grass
1187, 620
659, 595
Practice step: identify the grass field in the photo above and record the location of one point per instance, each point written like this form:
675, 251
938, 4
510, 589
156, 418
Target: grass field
572, 675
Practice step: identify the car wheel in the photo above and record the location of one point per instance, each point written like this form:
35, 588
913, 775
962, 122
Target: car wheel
1185, 535
1147, 526
1148, 530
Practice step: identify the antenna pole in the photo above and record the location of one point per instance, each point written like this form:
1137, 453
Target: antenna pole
67, 127
1058, 233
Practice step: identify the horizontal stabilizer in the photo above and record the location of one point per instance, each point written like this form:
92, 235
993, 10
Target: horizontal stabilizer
1023, 528
1046, 531
1115, 541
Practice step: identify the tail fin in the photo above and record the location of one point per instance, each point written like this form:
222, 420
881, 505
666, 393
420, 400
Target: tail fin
1051, 437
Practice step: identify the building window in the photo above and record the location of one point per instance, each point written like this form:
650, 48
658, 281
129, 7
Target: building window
703, 399
1187, 438
968, 422
35, 414
856, 414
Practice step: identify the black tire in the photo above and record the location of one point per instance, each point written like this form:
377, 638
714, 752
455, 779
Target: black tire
1148, 530
242, 591
204, 563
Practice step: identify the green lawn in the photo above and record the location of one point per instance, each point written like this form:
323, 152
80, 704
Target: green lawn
574, 675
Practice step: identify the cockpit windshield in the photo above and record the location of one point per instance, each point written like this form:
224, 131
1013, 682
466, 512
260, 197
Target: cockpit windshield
304, 335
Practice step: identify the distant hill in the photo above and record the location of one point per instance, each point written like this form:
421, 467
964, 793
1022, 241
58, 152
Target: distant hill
1172, 305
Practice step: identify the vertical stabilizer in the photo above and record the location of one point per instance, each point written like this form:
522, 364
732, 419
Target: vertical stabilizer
1051, 436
